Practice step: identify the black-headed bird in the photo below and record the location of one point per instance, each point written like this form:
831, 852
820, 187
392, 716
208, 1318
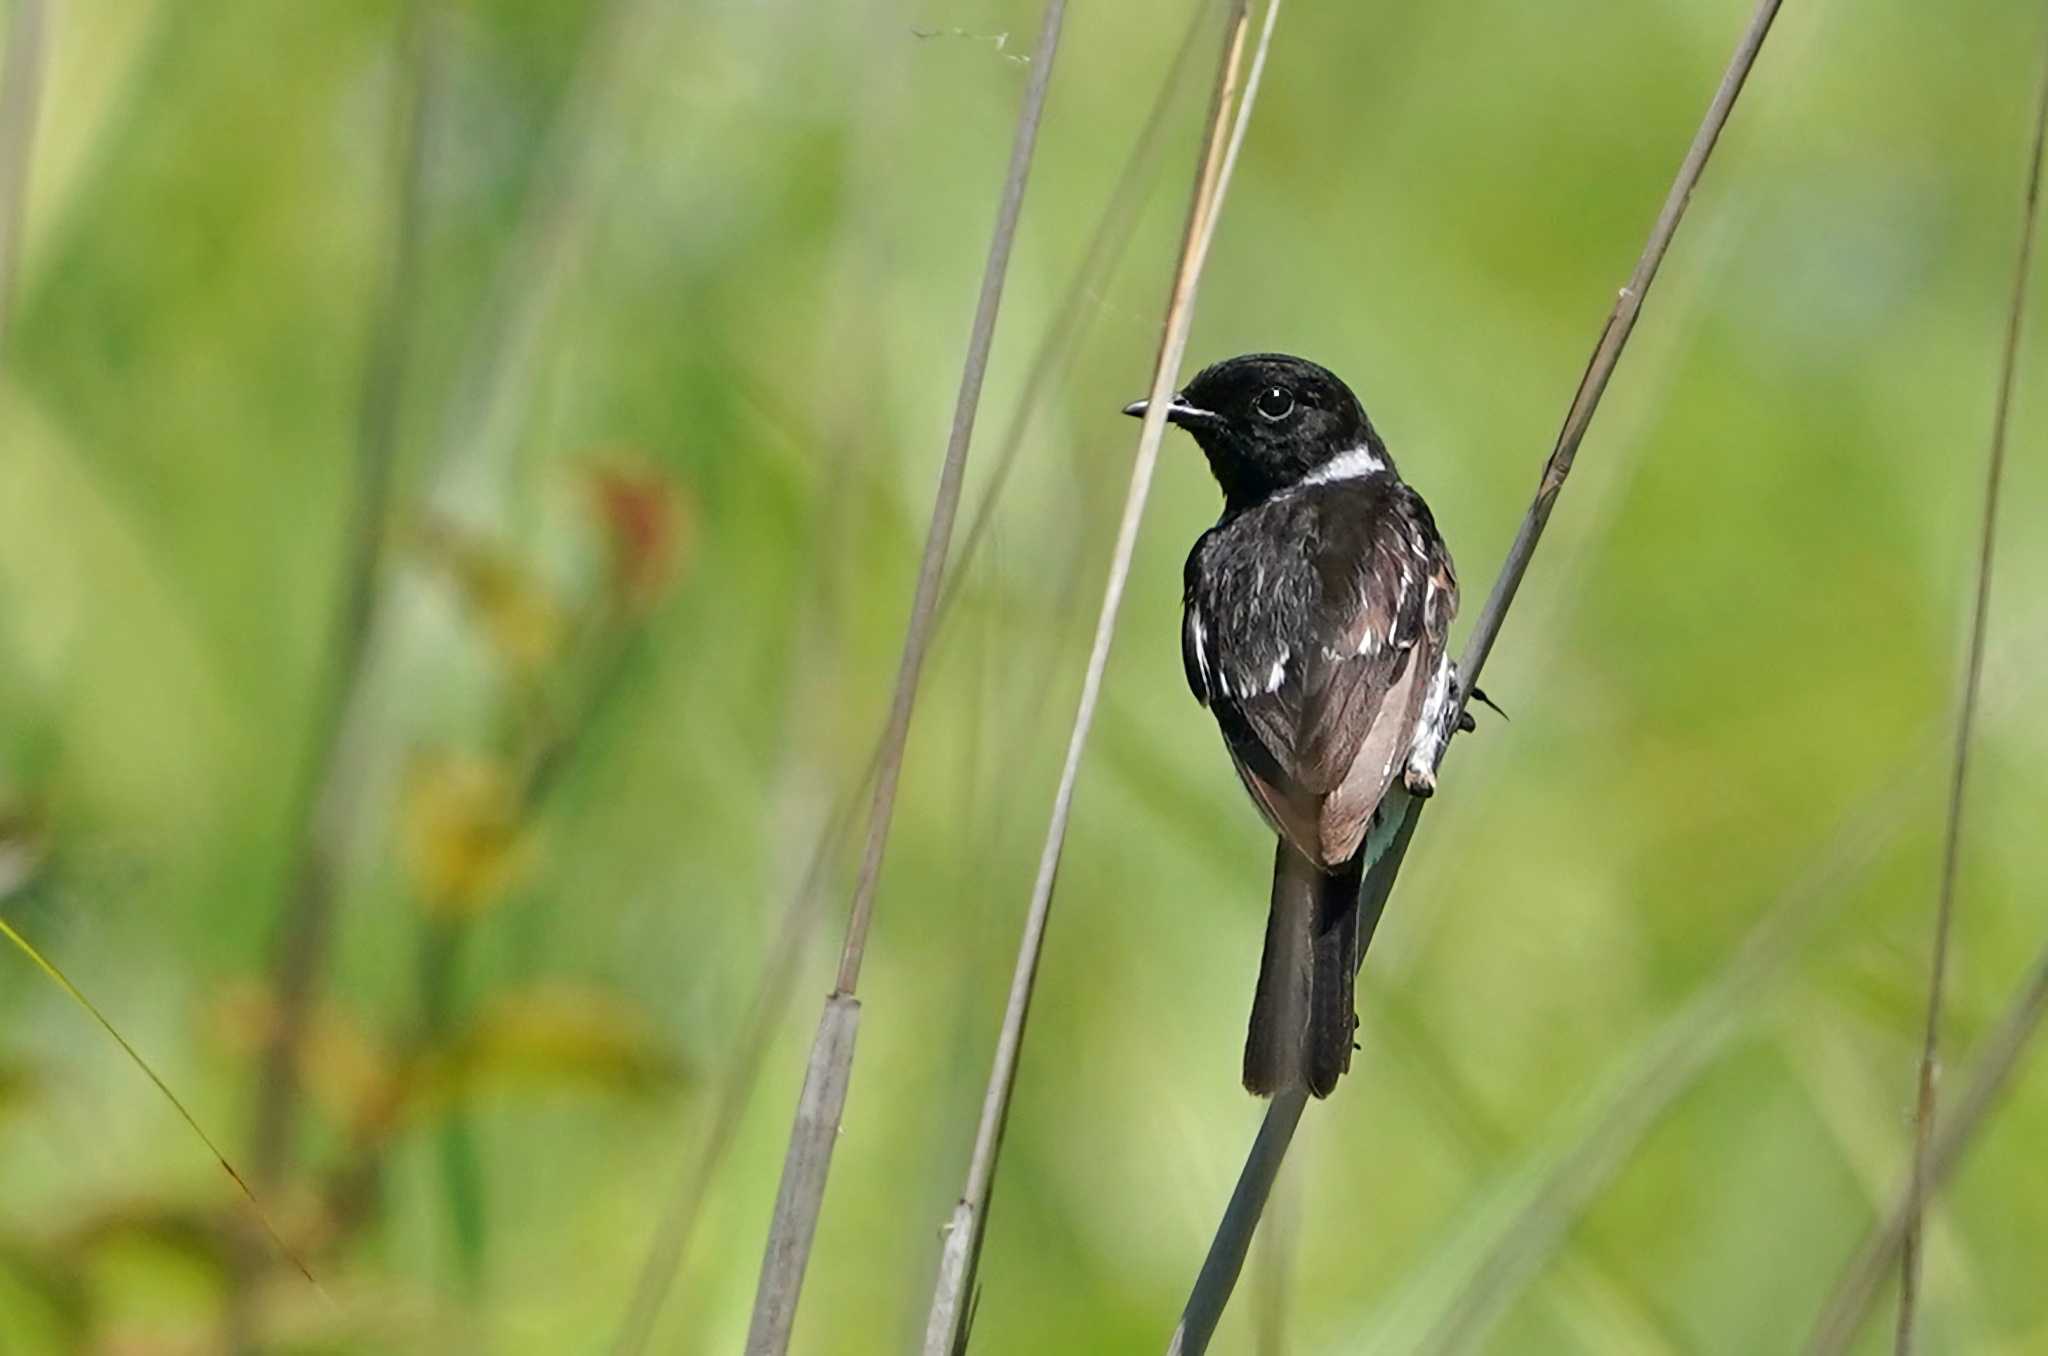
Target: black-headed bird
1315, 625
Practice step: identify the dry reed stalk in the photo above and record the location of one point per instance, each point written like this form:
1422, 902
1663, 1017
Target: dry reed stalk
1225, 1259
1224, 1262
799, 915
818, 626
946, 504
807, 1163
1099, 260
945, 1325
1966, 718
1226, 1255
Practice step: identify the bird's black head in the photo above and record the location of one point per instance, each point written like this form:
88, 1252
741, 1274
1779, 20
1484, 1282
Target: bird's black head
1268, 421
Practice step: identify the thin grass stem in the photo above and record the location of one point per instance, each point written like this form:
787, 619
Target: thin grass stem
76, 995
1225, 1261
1099, 260
800, 914
807, 1164
1198, 1320
1966, 719
945, 1323
946, 504
799, 917
1621, 322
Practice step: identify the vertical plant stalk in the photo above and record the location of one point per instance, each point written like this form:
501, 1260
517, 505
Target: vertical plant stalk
325, 814
799, 915
1224, 1262
960, 1253
456, 1151
21, 90
804, 1173
548, 233
1104, 252
946, 506
1966, 719
352, 1186
807, 1163
1621, 322
1857, 1290
327, 800
1226, 1253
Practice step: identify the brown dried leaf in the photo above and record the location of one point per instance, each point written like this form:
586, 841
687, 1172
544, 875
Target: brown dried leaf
646, 525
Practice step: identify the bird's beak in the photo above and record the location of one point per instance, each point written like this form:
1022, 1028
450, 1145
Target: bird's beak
1179, 412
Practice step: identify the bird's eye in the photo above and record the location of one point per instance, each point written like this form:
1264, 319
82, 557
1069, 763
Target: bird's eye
1275, 402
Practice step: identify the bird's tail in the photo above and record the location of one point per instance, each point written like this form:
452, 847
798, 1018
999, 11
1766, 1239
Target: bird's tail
1303, 1014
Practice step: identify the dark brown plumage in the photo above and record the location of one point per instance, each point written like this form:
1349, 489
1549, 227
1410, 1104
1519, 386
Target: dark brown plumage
1315, 629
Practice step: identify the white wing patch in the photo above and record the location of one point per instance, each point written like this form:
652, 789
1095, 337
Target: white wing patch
1279, 671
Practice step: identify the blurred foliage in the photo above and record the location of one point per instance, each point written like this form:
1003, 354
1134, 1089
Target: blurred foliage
465, 842
693, 286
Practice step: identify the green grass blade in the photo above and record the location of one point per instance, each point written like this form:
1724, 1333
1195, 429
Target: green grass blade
77, 996
462, 1185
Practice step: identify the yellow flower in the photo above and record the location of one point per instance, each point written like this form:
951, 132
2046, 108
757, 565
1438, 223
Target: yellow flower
465, 842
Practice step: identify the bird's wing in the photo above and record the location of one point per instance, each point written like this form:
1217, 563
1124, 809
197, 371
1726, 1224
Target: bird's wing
1317, 657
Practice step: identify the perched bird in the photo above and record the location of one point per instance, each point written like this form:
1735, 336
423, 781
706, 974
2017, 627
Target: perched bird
1317, 611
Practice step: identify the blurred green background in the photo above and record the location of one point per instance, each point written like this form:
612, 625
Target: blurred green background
689, 291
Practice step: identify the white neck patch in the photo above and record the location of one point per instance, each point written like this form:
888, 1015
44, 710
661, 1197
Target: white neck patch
1356, 464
